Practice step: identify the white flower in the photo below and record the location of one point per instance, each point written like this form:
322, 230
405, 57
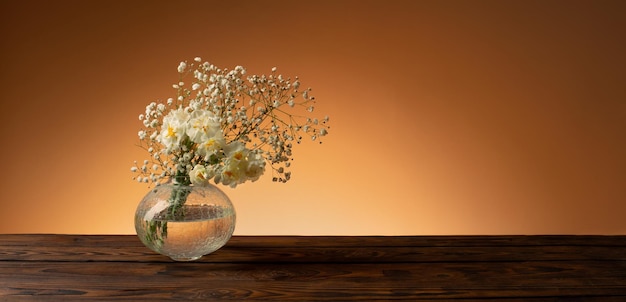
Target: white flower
230, 176
240, 70
241, 165
173, 129
202, 126
232, 173
211, 146
255, 167
234, 149
181, 67
199, 175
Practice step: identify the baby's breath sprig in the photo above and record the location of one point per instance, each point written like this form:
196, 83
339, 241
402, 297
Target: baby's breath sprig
225, 126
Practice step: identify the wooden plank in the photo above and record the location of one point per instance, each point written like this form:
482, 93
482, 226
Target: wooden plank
128, 248
176, 281
231, 254
334, 268
434, 241
328, 241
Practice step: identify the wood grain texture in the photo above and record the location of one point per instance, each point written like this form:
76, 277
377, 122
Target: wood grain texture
36, 267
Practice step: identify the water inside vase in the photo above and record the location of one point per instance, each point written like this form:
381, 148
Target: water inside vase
203, 230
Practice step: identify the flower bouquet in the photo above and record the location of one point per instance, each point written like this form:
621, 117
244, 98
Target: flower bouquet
223, 126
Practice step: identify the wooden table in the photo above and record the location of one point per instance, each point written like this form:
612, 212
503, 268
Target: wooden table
283, 268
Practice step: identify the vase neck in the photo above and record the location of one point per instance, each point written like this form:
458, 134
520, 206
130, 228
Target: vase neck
181, 179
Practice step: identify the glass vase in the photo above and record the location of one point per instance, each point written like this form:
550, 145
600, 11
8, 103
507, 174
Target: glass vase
185, 222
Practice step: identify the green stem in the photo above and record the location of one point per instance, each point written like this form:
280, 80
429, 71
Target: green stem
177, 201
157, 228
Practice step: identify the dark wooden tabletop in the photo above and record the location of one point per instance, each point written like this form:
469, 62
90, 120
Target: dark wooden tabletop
334, 268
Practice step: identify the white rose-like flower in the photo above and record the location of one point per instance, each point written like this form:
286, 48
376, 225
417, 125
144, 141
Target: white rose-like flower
233, 149
199, 175
255, 167
173, 129
211, 146
202, 126
241, 165
230, 174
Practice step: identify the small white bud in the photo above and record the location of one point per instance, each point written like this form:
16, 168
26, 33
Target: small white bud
181, 67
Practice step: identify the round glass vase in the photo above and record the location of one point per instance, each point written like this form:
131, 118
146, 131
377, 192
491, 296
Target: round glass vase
185, 222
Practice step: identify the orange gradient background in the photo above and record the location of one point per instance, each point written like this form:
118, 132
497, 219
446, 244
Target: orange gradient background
447, 117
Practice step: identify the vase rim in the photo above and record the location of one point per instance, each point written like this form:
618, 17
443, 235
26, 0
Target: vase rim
176, 179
